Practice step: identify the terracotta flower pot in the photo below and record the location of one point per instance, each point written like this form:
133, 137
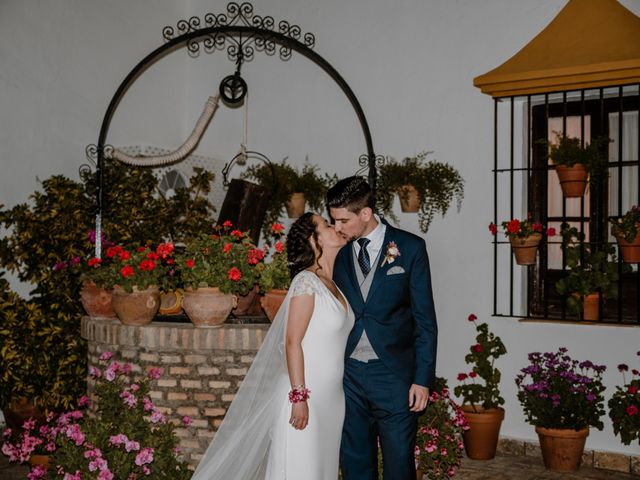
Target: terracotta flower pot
630, 251
39, 460
295, 205
419, 473
409, 201
138, 307
573, 180
208, 307
562, 448
591, 307
525, 249
481, 440
96, 301
246, 302
271, 302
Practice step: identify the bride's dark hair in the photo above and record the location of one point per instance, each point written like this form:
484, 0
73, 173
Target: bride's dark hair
299, 250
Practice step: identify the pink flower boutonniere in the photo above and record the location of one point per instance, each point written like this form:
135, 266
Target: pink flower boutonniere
391, 254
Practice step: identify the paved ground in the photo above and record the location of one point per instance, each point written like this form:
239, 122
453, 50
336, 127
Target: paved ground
504, 467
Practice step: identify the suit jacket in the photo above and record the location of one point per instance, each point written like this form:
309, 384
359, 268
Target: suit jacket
398, 313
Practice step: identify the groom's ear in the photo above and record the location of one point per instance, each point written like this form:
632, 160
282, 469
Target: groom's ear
365, 214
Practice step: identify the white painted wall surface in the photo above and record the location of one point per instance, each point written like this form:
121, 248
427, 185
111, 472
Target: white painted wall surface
411, 64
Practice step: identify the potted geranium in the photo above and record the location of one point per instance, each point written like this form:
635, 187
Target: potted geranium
291, 188
439, 448
136, 275
215, 269
562, 398
524, 236
423, 186
274, 277
593, 273
574, 162
481, 401
627, 232
95, 293
624, 406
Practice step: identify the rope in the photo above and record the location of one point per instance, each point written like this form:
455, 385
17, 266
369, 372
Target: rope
185, 149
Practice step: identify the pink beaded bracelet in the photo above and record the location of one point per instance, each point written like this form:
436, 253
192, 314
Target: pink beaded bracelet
299, 393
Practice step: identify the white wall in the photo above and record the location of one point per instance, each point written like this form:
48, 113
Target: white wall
411, 63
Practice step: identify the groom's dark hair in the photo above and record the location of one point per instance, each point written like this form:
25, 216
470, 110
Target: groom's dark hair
352, 193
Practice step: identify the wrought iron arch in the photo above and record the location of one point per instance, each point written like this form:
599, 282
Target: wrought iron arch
214, 38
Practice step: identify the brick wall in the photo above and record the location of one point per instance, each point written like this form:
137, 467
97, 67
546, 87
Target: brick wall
203, 368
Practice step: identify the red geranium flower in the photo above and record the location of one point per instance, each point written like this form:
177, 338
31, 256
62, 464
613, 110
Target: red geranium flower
227, 224
277, 228
513, 226
153, 256
473, 374
124, 255
147, 265
237, 233
127, 271
551, 232
93, 262
632, 410
472, 318
141, 249
234, 274
477, 348
493, 228
113, 251
227, 248
165, 249
633, 389
190, 263
279, 246
255, 255
462, 376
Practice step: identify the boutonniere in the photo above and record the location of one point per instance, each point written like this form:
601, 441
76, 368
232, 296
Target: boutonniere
391, 254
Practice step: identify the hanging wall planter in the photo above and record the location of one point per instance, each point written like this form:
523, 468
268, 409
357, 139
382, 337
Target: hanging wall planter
525, 249
295, 205
573, 180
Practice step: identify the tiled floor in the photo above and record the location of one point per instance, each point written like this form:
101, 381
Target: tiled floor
503, 467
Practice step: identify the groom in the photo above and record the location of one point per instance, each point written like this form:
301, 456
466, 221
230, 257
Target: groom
391, 351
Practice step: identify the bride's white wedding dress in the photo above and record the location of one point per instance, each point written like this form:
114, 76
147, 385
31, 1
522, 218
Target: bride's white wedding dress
255, 441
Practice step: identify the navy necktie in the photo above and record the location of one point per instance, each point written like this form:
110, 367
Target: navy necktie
363, 256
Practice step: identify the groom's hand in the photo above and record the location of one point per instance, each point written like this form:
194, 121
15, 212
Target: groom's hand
418, 398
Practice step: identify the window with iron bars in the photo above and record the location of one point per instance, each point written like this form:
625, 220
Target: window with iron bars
525, 183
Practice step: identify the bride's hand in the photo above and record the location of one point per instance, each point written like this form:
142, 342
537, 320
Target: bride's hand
299, 415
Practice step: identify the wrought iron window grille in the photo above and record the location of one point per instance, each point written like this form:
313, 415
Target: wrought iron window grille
525, 183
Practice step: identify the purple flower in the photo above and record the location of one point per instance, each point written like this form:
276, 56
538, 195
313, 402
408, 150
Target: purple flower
59, 266
154, 373
106, 356
157, 417
591, 397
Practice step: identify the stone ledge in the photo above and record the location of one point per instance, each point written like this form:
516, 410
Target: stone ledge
166, 335
601, 460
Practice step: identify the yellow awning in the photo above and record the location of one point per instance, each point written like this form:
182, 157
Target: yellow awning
590, 43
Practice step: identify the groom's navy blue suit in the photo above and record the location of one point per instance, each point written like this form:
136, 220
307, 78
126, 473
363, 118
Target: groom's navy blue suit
399, 318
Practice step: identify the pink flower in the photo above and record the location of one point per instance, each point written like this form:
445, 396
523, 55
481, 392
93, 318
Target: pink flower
430, 447
144, 457
452, 471
117, 440
106, 356
75, 476
186, 420
74, 433
95, 372
131, 445
443, 452
29, 424
134, 387
146, 470
126, 368
154, 373
84, 401
105, 475
157, 417
36, 473
111, 371
148, 404
129, 399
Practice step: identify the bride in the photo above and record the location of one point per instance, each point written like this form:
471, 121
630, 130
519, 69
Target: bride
286, 419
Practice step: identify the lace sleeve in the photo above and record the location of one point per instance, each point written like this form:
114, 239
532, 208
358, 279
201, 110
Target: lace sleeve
304, 284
